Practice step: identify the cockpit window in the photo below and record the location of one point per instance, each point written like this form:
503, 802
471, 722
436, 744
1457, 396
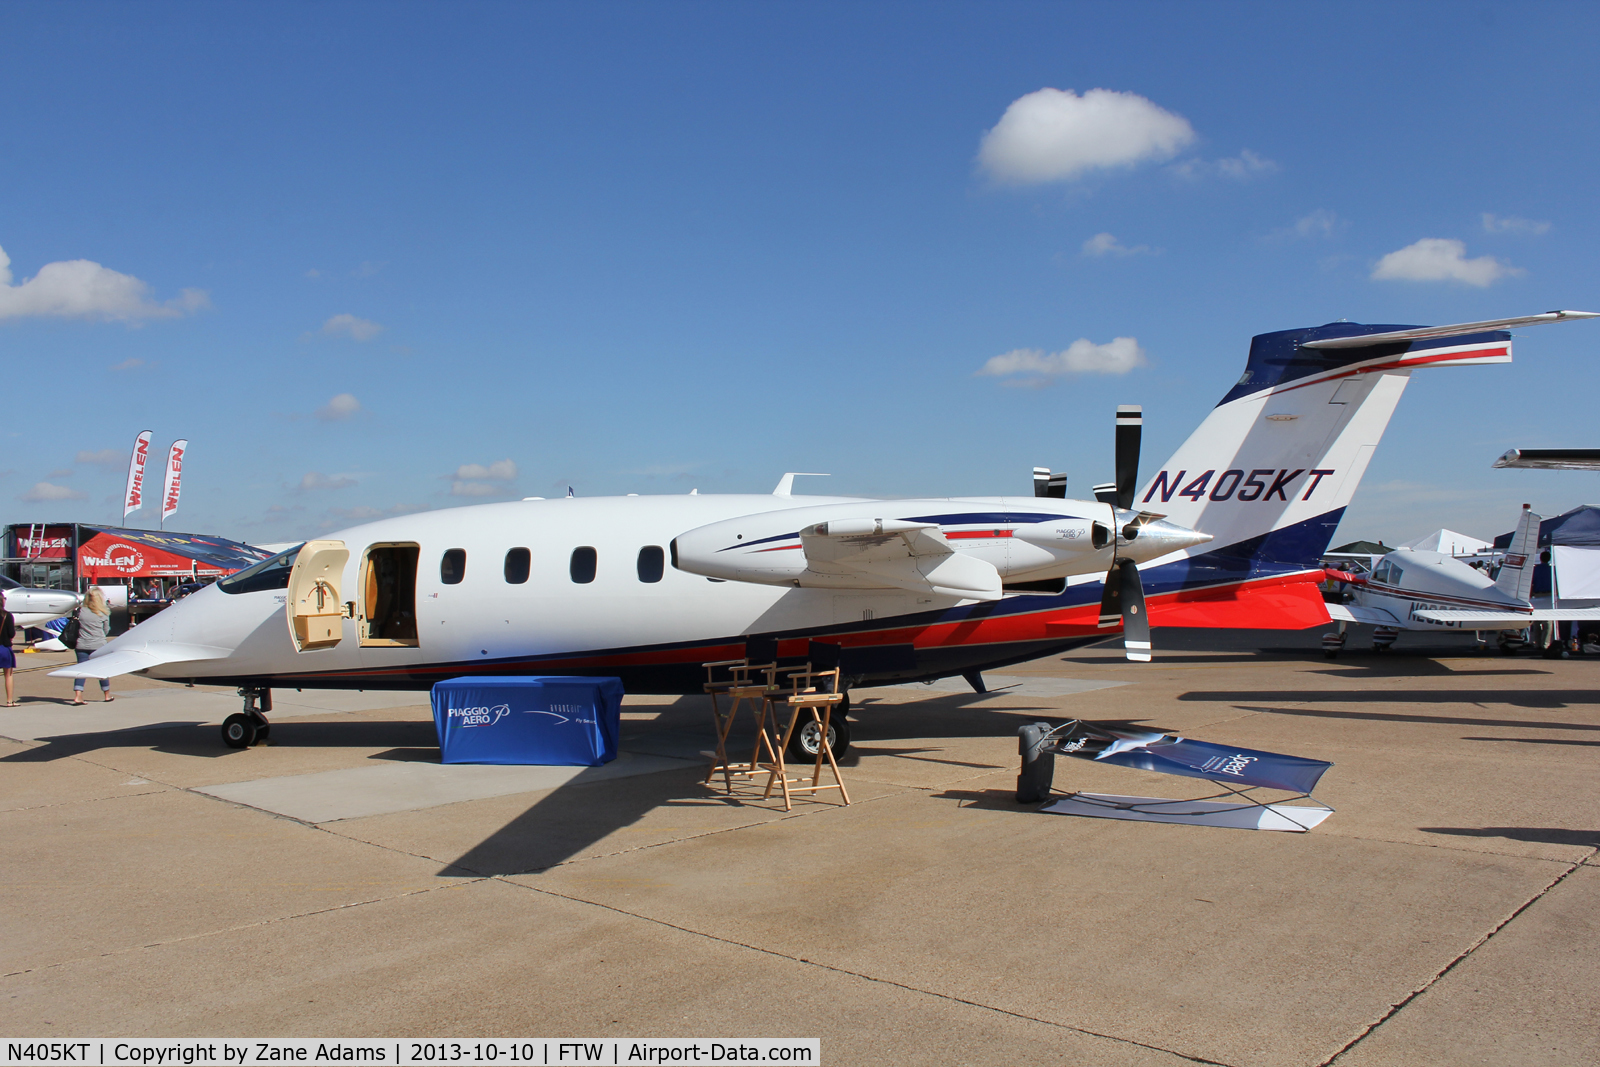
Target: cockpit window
1387, 573
268, 574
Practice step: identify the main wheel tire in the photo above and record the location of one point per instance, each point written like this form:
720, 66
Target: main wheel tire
238, 731
803, 744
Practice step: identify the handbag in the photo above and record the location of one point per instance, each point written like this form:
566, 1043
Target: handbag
70, 632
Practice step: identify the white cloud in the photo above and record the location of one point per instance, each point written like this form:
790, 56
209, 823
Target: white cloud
340, 407
1512, 224
1244, 165
352, 327
1056, 135
317, 480
1104, 244
1083, 356
44, 492
1437, 259
474, 489
129, 364
499, 471
1320, 223
83, 289
106, 457
472, 479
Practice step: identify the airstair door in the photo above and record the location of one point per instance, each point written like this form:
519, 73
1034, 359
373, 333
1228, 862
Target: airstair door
315, 608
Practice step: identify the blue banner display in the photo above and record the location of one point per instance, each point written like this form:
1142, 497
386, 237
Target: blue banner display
1219, 763
1168, 754
547, 720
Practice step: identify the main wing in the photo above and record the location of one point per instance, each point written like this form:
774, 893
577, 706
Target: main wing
906, 555
1364, 615
1518, 619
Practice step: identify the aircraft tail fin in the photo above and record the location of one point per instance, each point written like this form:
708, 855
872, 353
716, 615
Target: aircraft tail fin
1516, 573
1270, 471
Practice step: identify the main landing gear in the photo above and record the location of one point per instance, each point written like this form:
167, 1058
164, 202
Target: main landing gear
250, 726
803, 744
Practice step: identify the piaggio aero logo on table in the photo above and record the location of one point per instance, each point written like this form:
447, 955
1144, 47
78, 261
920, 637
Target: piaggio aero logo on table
479, 716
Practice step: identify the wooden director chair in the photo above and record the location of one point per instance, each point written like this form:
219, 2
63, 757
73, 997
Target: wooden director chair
814, 691
747, 679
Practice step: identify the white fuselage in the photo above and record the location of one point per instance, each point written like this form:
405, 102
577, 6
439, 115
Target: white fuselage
484, 619
1407, 581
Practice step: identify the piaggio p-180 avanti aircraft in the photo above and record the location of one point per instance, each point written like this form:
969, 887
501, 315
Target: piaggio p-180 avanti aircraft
1227, 533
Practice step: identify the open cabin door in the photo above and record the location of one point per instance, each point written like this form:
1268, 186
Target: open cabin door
315, 608
387, 616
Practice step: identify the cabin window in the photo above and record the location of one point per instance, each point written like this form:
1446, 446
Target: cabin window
453, 566
652, 563
517, 563
583, 565
1387, 573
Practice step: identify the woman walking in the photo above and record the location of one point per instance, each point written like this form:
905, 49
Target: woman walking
8, 659
94, 625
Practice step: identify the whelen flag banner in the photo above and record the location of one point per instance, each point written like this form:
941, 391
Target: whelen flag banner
1194, 759
551, 720
133, 499
116, 553
169, 491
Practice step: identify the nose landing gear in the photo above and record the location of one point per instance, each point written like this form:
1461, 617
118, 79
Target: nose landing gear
250, 726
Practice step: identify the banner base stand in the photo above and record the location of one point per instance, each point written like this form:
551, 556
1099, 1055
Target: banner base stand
1293, 818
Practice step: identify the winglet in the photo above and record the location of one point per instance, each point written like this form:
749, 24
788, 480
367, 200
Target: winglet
786, 483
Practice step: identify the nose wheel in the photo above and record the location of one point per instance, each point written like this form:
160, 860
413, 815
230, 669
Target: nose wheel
250, 726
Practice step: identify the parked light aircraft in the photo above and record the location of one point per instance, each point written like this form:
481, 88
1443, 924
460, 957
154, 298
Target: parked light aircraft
35, 607
1227, 533
1411, 589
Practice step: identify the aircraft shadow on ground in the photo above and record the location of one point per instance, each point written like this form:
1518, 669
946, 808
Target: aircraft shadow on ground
1427, 720
573, 819
1538, 698
201, 739
1542, 835
1537, 741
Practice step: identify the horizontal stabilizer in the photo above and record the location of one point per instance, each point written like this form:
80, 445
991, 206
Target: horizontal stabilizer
1426, 333
110, 662
1516, 619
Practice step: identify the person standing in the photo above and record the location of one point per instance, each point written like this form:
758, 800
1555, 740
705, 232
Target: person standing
8, 659
94, 627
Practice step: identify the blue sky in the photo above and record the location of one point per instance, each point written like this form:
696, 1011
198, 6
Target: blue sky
375, 258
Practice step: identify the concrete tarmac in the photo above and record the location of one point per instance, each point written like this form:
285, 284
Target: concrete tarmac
340, 882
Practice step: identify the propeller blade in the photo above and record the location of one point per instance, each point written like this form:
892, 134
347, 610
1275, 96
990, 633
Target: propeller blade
1130, 427
1135, 622
1111, 598
1106, 492
1058, 487
1041, 481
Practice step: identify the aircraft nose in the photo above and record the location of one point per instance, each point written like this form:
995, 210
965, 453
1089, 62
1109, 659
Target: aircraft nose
1160, 537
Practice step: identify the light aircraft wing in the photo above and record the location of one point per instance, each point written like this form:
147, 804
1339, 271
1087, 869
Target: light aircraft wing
1510, 618
1365, 615
905, 555
1424, 333
1552, 459
128, 660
